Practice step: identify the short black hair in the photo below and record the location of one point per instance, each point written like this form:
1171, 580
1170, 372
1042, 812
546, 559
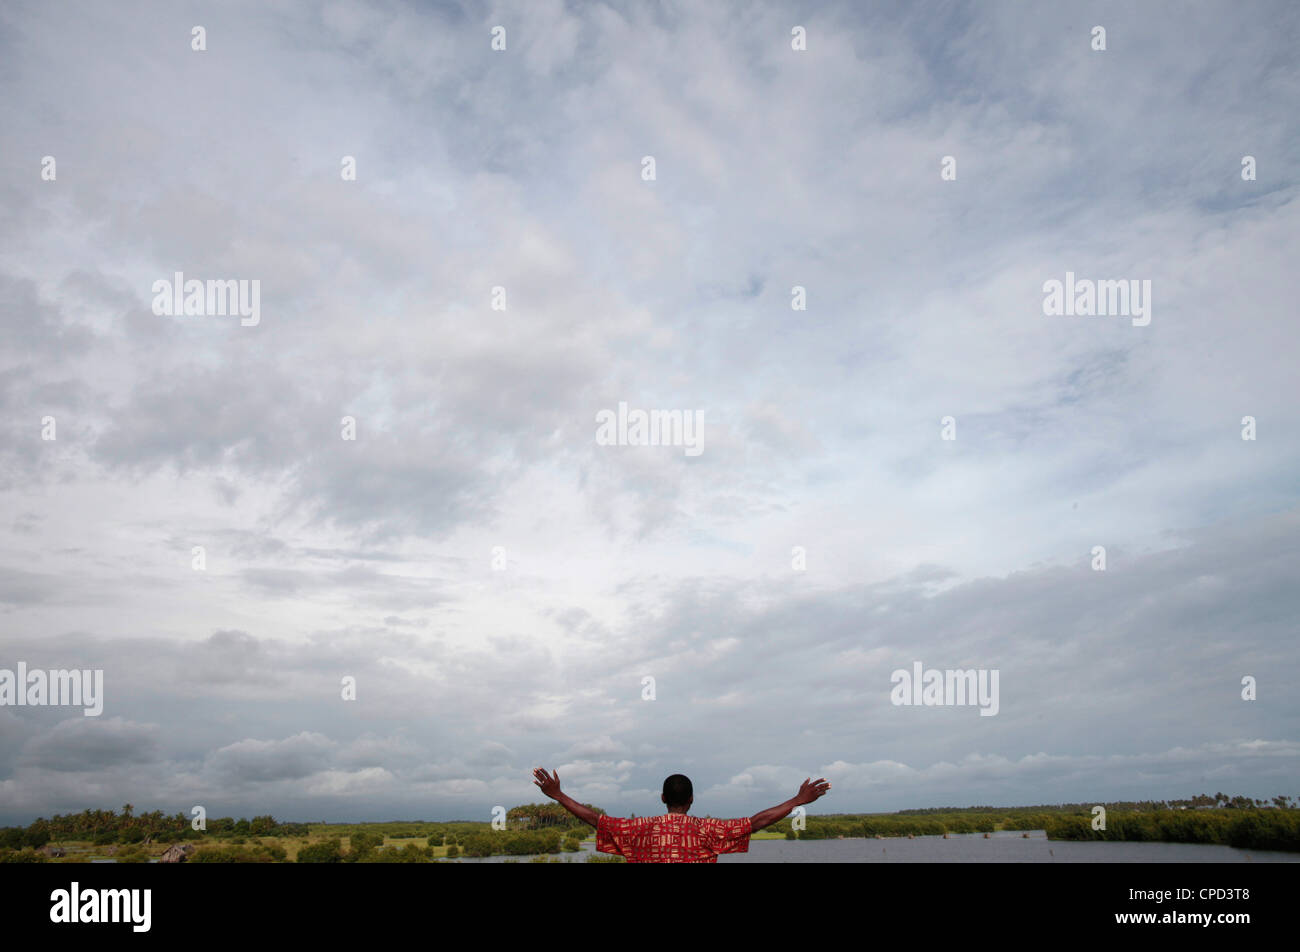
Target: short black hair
678, 790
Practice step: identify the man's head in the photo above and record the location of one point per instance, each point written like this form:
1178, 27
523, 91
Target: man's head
678, 794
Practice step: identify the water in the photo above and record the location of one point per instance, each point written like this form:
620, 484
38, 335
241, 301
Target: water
1006, 846
1002, 847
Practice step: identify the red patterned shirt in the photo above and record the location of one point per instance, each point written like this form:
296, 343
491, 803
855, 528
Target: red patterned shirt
671, 838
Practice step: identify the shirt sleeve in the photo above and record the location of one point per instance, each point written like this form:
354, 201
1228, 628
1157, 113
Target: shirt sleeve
726, 836
611, 831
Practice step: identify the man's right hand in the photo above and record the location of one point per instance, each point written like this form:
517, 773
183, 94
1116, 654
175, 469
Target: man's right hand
550, 784
811, 790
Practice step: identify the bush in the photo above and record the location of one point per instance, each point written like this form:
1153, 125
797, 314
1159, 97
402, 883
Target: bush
359, 844
236, 854
326, 851
133, 854
410, 853
1265, 830
1070, 828
525, 844
478, 844
453, 851
1242, 828
23, 856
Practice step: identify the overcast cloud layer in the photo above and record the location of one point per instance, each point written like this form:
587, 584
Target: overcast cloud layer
476, 428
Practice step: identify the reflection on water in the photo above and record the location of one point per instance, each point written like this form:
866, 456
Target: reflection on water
114, 861
1003, 847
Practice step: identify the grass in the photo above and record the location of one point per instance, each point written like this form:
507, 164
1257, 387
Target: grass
82, 851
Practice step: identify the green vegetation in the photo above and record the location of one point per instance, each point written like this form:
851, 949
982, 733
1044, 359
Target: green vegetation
326, 851
848, 826
27, 855
133, 854
1229, 821
106, 827
537, 830
1245, 829
495, 843
238, 854
549, 815
410, 853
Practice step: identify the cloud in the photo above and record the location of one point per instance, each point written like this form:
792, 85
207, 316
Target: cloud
497, 583
596, 747
81, 744
259, 761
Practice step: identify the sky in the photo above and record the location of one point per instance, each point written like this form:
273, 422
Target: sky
916, 466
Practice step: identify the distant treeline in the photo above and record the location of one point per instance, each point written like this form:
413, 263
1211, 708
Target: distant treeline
1242, 828
1200, 801
530, 829
105, 827
850, 825
1275, 828
401, 829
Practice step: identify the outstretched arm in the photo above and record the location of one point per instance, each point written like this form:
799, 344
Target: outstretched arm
551, 787
808, 792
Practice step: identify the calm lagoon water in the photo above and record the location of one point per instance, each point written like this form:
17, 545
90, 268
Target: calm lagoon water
114, 861
1002, 847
